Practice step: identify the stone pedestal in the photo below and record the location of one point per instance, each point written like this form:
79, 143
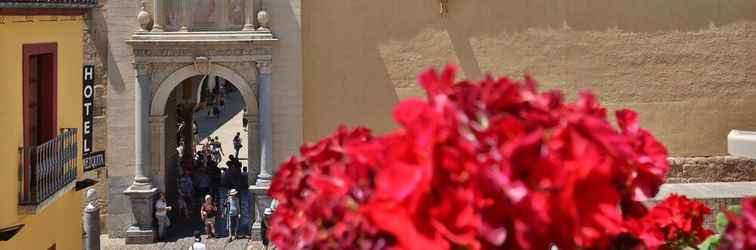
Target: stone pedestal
261, 200
142, 200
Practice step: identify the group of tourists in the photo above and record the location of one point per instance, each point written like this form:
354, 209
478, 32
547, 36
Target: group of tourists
201, 184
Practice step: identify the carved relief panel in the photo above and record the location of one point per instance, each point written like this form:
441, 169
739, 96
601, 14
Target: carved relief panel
201, 15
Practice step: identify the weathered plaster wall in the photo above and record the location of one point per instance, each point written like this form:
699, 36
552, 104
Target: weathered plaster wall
686, 66
54, 224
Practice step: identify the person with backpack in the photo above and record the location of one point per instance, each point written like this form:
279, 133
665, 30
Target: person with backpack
237, 144
207, 214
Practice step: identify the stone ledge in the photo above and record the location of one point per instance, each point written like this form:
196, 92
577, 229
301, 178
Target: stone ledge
37, 208
711, 169
712, 190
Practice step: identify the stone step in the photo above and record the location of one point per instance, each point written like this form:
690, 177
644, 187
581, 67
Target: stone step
716, 195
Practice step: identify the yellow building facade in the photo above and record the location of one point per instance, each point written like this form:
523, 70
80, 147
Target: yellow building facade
41, 98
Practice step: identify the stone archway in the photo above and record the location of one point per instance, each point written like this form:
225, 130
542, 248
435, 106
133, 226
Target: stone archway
162, 61
158, 115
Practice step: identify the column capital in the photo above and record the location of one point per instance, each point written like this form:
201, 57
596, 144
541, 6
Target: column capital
143, 69
265, 67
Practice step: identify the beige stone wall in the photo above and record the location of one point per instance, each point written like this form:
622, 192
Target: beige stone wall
686, 66
120, 24
286, 90
95, 53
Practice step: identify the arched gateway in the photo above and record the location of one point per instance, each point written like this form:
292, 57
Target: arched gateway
163, 60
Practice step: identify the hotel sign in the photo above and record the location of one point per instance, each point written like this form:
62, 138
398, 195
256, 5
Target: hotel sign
94, 161
88, 113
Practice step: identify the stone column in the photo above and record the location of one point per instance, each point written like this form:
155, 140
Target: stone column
141, 192
158, 16
157, 125
253, 146
249, 15
265, 123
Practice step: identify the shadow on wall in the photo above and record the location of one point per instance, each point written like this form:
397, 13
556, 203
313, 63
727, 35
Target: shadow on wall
361, 57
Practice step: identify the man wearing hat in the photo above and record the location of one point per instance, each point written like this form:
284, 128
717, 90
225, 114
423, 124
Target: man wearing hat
232, 211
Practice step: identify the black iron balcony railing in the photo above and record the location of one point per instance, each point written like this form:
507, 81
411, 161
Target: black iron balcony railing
47, 168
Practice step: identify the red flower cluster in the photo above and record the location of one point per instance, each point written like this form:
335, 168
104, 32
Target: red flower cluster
741, 231
672, 224
478, 166
319, 196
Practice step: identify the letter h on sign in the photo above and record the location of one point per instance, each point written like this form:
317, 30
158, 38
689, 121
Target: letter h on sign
88, 114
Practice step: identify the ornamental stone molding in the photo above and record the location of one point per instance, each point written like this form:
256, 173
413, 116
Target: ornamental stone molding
158, 55
163, 61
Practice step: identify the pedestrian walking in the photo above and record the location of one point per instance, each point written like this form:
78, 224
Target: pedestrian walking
217, 148
232, 213
237, 144
203, 182
198, 245
208, 212
180, 150
195, 131
235, 177
161, 212
207, 146
186, 192
245, 121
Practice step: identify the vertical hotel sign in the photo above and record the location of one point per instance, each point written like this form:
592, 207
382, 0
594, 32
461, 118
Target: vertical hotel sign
88, 113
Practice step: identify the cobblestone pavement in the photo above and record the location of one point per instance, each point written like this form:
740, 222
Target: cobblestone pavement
182, 244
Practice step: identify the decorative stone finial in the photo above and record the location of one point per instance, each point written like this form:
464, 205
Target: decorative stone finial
144, 18
91, 197
263, 18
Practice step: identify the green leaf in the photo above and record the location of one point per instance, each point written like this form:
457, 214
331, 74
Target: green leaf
721, 220
734, 208
710, 243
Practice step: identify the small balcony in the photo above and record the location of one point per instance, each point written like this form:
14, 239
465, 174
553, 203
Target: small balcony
47, 171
